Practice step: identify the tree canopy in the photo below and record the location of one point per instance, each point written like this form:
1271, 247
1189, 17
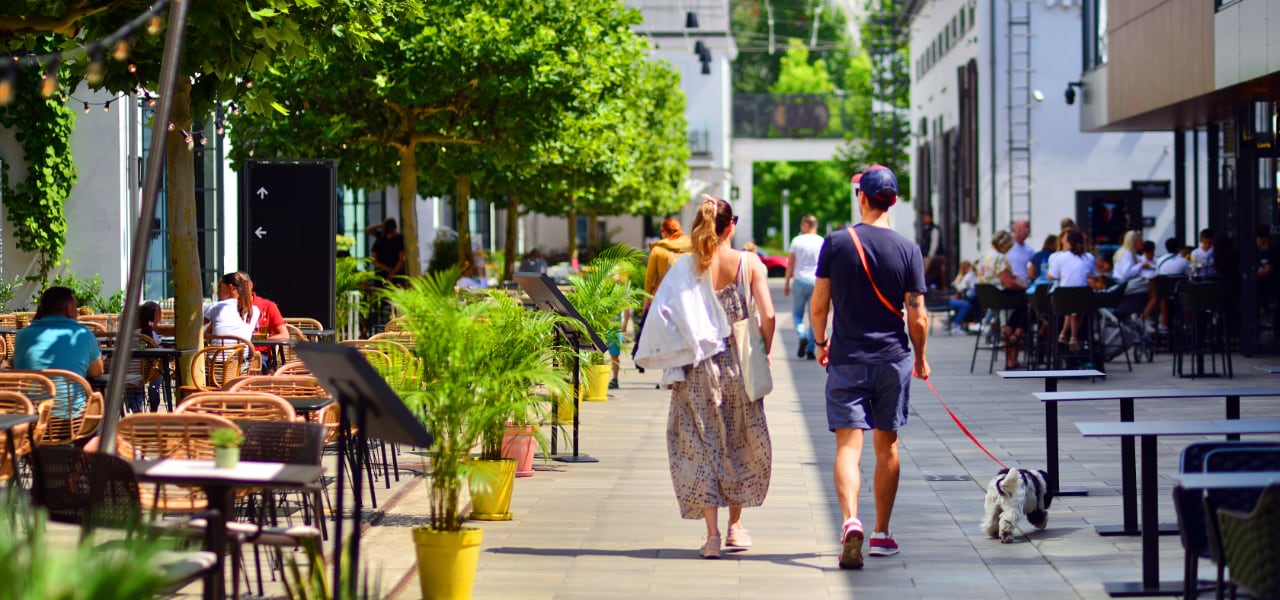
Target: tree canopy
541, 101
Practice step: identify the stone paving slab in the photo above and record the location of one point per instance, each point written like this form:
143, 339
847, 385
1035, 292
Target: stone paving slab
612, 529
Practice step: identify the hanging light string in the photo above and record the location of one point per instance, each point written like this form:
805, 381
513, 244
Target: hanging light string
117, 42
106, 104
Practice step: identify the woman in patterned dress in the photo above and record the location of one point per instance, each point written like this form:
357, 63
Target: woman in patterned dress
717, 438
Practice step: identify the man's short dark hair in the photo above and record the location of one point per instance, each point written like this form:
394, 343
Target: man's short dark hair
1264, 231
1206, 234
1148, 246
54, 301
1172, 245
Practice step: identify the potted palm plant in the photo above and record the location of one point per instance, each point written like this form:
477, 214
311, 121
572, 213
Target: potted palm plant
478, 365
606, 289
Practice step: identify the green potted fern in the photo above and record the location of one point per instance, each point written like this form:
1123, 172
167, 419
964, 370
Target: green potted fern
606, 288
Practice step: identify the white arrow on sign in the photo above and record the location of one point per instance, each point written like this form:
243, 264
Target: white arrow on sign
260, 232
262, 193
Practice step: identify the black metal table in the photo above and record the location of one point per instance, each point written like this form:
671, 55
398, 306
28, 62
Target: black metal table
1051, 420
309, 405
275, 348
1128, 452
1149, 431
219, 485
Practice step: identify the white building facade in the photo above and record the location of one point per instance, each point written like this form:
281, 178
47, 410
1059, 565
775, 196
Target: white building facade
994, 139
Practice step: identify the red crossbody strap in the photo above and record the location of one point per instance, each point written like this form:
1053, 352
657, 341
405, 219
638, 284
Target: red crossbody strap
857, 242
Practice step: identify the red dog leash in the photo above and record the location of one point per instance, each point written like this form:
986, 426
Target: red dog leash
961, 425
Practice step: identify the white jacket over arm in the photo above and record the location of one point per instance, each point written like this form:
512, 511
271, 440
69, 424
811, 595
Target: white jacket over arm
685, 325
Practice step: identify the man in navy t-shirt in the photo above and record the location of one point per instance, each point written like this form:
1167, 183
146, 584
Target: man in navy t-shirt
869, 365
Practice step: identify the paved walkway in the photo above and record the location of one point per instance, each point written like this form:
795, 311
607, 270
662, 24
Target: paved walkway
612, 530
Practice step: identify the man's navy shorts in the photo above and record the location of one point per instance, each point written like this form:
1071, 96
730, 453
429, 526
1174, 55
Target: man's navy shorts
874, 396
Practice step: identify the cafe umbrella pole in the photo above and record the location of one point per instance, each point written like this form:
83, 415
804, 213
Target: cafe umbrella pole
169, 64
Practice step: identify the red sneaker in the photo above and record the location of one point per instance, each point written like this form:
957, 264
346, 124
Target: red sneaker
882, 544
851, 544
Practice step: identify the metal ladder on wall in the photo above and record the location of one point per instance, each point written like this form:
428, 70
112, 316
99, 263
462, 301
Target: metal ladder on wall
1020, 103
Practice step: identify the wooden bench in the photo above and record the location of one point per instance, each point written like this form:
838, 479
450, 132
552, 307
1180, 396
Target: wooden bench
1051, 420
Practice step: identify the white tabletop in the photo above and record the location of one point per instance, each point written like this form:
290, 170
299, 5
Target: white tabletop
1206, 427
1223, 480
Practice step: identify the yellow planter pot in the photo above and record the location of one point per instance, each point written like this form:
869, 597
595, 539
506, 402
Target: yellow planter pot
447, 562
598, 377
491, 484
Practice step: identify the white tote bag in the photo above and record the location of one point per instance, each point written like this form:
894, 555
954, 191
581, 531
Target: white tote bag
749, 341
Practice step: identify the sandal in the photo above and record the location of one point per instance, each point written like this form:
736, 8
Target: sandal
711, 549
1073, 345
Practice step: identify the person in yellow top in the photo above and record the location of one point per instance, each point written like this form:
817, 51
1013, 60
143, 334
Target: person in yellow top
663, 254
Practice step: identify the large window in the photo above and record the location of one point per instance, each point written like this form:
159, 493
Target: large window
1095, 34
208, 148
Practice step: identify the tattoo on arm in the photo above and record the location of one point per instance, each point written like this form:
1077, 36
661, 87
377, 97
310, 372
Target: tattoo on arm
915, 300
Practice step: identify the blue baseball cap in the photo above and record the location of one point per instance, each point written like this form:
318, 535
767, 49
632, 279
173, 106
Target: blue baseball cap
879, 182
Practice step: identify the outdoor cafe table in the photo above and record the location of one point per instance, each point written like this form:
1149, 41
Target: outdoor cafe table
1051, 420
1269, 369
1225, 480
275, 347
309, 406
317, 335
7, 423
219, 485
1149, 431
168, 356
1128, 461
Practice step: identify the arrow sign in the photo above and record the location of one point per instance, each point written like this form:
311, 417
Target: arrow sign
262, 193
260, 232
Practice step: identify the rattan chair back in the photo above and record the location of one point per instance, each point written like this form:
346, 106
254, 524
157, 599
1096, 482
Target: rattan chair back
154, 436
213, 366
73, 414
1249, 545
285, 386
296, 335
284, 442
13, 403
304, 323
90, 489
296, 367
239, 406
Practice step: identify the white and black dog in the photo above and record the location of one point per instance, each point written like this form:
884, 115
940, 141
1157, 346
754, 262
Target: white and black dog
1012, 495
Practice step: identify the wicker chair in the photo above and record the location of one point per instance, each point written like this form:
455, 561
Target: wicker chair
402, 370
13, 403
212, 367
1249, 544
402, 337
92, 490
293, 444
147, 369
73, 414
296, 367
153, 436
239, 406
23, 318
253, 358
106, 321
296, 335
304, 323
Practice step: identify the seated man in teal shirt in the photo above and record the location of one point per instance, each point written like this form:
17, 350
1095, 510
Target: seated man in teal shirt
55, 340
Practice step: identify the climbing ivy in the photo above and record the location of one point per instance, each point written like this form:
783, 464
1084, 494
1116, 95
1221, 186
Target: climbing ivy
35, 205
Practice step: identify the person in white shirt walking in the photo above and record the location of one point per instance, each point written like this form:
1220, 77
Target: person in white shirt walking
802, 267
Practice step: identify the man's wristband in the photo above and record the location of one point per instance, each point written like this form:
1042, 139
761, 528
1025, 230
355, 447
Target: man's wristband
822, 344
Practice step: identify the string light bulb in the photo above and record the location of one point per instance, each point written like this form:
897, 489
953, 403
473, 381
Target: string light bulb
220, 129
106, 107
171, 127
151, 101
133, 68
50, 83
155, 25
203, 140
86, 108
94, 73
121, 52
6, 89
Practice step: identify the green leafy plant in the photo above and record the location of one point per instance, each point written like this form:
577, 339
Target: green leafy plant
475, 378
37, 565
312, 582
605, 289
352, 276
9, 290
86, 290
226, 437
34, 206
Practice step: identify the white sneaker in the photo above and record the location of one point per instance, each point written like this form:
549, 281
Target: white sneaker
957, 330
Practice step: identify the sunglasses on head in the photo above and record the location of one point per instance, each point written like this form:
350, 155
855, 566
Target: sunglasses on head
734, 220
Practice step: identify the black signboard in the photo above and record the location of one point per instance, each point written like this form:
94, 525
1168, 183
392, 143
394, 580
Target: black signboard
1107, 214
1152, 189
288, 215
